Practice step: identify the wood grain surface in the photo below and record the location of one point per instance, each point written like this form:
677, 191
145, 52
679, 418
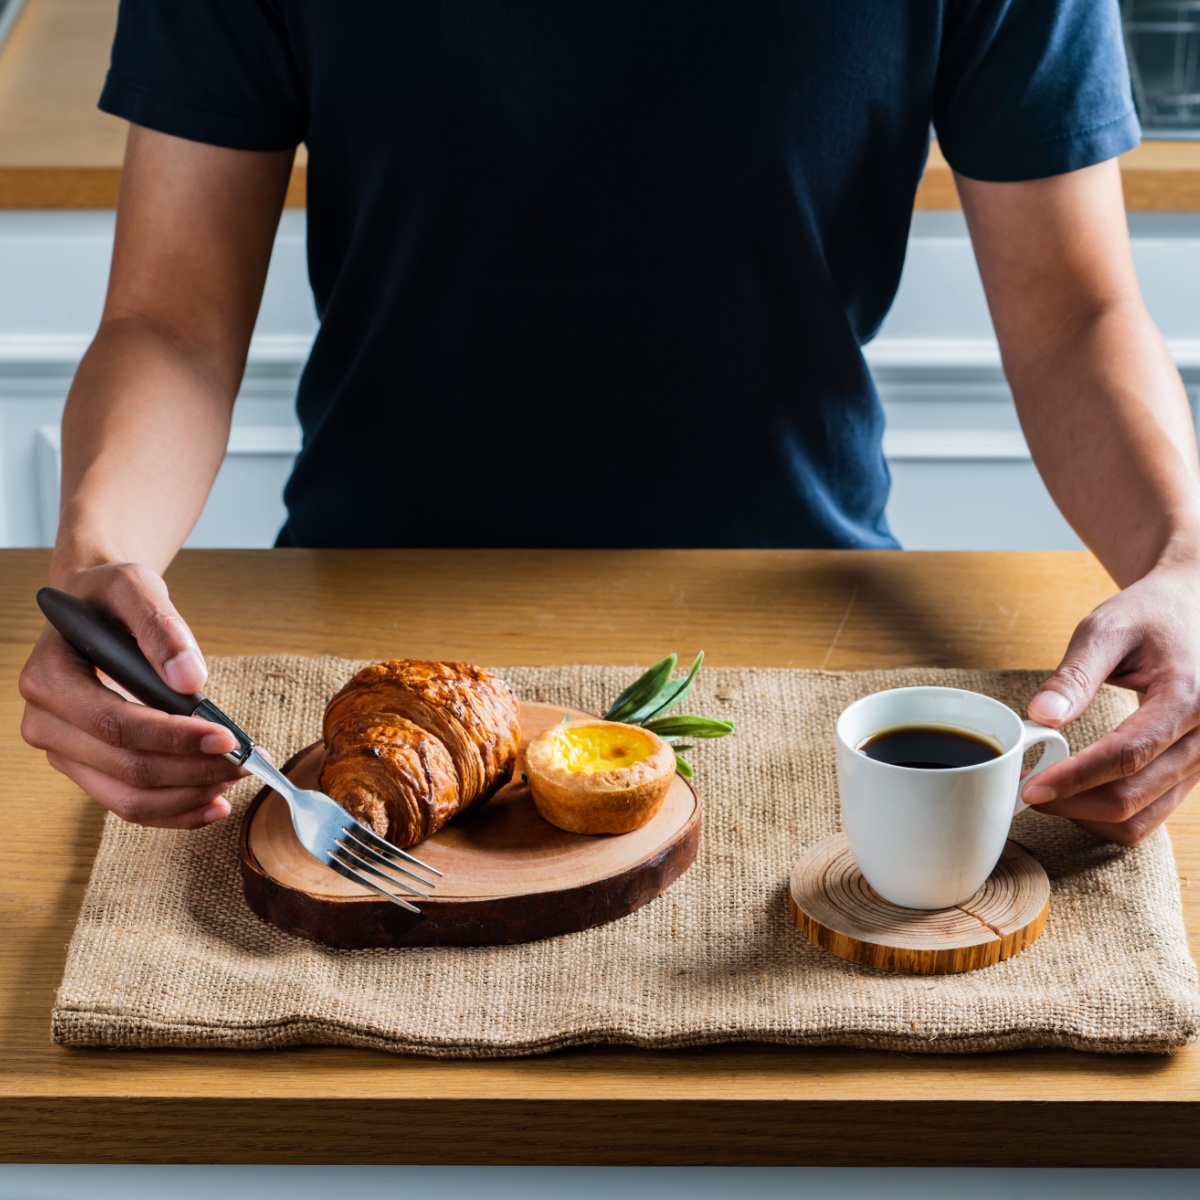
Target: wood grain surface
734, 1104
57, 150
836, 908
508, 874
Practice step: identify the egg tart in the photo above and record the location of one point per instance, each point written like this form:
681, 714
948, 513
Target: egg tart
598, 776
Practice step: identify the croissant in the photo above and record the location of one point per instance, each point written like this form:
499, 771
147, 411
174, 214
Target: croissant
393, 776
409, 744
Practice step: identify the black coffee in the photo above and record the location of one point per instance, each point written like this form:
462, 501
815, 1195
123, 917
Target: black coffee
928, 747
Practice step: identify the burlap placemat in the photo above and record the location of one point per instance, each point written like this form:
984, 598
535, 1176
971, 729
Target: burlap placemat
166, 953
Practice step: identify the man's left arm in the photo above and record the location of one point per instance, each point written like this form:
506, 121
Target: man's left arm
1108, 423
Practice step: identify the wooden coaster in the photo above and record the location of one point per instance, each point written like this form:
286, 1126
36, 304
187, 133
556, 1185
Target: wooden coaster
836, 908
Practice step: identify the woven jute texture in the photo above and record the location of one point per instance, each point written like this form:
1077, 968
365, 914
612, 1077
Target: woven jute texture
166, 952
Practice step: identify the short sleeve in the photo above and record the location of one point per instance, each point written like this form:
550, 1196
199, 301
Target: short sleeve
1031, 88
216, 71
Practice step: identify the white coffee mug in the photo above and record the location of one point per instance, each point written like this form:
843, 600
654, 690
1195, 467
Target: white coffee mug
929, 837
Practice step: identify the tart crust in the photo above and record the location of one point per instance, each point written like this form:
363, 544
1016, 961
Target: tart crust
614, 800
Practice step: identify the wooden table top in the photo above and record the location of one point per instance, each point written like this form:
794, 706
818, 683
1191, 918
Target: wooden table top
57, 150
733, 1104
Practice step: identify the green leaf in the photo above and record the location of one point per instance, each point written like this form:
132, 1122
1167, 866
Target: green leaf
670, 696
681, 726
642, 690
677, 748
684, 767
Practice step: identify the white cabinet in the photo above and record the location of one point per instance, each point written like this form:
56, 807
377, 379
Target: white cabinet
245, 508
961, 471
53, 272
962, 476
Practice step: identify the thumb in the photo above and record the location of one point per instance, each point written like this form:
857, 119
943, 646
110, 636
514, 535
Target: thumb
1093, 654
138, 598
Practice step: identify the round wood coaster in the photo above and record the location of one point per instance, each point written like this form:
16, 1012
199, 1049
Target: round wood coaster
509, 875
836, 908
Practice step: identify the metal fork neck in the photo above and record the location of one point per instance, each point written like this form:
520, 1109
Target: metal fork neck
206, 710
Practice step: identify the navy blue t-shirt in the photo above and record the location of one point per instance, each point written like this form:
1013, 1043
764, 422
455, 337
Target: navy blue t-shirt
599, 272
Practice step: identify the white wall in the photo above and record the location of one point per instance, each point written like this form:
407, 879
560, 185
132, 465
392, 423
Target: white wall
962, 474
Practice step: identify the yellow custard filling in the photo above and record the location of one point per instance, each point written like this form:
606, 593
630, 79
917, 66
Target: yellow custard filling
585, 750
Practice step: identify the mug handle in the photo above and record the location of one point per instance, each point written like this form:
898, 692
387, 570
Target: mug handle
1056, 750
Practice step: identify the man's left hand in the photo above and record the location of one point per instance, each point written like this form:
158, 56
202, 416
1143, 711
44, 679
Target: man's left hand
1147, 638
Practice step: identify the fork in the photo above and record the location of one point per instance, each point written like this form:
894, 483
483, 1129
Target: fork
325, 829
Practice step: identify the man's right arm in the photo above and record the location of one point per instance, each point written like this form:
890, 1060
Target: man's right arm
144, 432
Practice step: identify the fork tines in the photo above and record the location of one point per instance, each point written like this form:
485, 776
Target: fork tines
366, 853
360, 831
357, 876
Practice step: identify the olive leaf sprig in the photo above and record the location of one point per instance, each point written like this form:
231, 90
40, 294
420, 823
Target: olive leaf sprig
648, 698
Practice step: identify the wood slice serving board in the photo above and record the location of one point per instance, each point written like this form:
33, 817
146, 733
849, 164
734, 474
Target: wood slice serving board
836, 908
509, 875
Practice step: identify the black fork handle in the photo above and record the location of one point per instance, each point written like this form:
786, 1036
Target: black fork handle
107, 646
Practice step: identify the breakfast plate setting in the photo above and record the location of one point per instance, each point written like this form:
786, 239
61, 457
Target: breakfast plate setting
531, 820
508, 874
679, 931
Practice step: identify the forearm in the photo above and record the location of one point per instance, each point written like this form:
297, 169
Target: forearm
1101, 403
144, 432
1109, 426
147, 419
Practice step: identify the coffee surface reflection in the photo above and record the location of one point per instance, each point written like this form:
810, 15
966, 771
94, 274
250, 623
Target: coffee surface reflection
929, 747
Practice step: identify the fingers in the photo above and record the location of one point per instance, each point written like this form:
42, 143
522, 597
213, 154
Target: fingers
1096, 649
163, 808
144, 765
1130, 768
1119, 801
137, 598
1138, 827
137, 768
1161, 722
1144, 638
58, 682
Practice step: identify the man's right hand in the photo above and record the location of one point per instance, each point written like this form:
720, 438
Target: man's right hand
143, 435
144, 765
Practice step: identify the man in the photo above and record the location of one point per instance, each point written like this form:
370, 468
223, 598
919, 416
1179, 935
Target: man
635, 246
